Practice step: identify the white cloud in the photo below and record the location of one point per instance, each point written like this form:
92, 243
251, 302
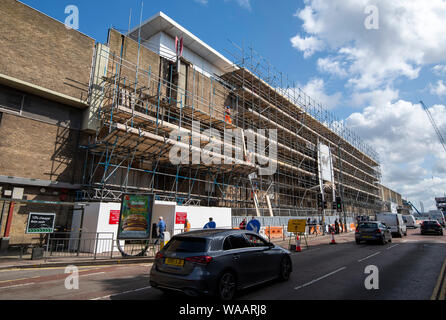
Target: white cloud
315, 88
308, 45
375, 97
439, 69
246, 4
439, 89
331, 66
410, 35
202, 1
405, 139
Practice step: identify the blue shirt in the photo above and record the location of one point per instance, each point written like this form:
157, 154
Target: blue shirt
210, 225
161, 226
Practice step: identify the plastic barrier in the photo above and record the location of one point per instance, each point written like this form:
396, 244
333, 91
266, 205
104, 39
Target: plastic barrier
274, 232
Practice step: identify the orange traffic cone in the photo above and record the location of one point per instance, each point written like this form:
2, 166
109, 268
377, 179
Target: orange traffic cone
332, 238
298, 249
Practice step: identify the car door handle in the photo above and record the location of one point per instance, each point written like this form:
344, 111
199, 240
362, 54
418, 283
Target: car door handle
236, 257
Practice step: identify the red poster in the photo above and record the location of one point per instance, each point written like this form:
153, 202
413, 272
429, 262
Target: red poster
180, 217
114, 216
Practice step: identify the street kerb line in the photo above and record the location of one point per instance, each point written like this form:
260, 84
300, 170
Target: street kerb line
320, 278
119, 293
393, 246
437, 286
17, 285
372, 255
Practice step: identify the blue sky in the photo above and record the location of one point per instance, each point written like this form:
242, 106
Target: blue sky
372, 78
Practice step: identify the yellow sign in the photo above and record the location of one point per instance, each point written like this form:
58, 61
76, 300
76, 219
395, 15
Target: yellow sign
297, 225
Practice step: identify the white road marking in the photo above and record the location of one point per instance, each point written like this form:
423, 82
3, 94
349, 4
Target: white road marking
372, 255
116, 294
393, 246
91, 274
18, 285
320, 278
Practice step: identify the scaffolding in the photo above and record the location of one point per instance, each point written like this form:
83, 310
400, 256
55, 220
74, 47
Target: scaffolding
144, 111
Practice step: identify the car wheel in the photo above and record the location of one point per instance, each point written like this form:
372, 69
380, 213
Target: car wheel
226, 286
285, 269
358, 241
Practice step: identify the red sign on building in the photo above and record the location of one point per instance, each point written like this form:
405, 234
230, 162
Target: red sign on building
114, 216
180, 217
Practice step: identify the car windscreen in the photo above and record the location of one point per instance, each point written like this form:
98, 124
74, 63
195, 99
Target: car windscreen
187, 244
430, 222
368, 225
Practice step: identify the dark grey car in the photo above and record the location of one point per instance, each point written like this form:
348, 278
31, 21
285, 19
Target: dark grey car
373, 231
218, 262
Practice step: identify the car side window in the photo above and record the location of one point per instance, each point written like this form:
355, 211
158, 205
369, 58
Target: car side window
238, 241
227, 244
256, 241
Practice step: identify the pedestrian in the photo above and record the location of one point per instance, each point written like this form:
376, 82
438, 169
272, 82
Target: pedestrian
336, 226
210, 225
186, 225
242, 225
161, 228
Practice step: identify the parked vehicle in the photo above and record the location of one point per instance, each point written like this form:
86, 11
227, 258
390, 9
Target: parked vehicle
394, 221
436, 215
218, 262
431, 226
373, 231
410, 221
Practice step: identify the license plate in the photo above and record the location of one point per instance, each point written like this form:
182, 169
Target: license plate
367, 237
174, 262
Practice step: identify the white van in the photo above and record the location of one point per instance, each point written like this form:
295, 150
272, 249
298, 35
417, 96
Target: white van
394, 221
410, 221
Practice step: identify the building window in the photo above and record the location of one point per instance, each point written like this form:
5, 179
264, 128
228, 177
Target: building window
11, 100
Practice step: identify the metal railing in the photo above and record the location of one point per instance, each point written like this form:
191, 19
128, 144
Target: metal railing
97, 245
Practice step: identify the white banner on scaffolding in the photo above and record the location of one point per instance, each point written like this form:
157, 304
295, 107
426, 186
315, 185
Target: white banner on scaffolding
325, 163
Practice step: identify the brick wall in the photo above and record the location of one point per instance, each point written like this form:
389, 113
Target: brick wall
38, 150
42, 51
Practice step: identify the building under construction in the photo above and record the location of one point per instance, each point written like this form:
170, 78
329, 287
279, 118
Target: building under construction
159, 88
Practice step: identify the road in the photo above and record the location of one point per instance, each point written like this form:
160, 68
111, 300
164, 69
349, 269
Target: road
408, 268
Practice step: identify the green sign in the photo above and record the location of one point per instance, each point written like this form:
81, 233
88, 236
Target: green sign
40, 222
136, 215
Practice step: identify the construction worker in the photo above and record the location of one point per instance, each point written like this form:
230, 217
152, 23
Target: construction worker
186, 225
228, 118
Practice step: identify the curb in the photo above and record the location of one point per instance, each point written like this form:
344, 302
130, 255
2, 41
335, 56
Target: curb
78, 263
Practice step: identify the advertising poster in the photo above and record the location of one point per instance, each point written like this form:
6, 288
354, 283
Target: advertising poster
40, 222
135, 217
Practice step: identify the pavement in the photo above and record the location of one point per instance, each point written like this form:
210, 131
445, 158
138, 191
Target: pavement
14, 261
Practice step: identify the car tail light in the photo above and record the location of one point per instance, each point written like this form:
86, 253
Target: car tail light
378, 231
159, 255
357, 230
200, 259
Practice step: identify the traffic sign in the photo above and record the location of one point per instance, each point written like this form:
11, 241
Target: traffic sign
253, 225
297, 225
